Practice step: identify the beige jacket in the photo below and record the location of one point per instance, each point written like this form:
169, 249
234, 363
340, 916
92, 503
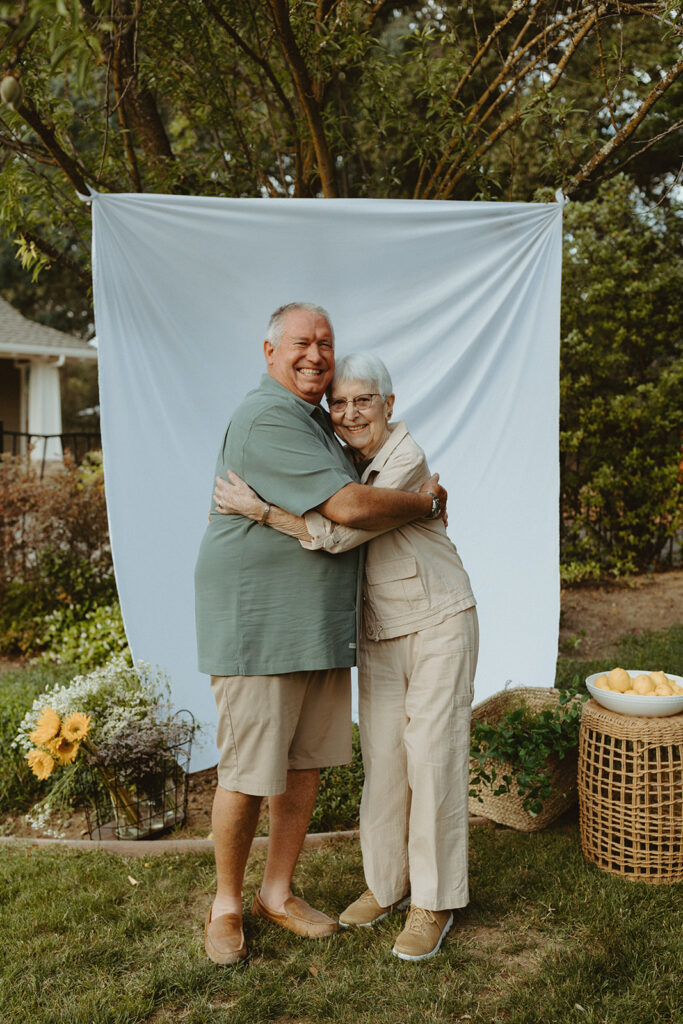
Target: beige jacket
414, 577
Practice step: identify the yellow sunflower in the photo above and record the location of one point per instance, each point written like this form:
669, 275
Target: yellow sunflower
46, 728
76, 726
40, 762
63, 749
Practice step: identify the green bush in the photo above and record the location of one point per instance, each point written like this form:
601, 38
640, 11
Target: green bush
621, 384
83, 639
54, 546
338, 802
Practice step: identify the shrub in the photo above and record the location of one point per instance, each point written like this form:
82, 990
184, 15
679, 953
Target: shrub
83, 639
339, 795
54, 546
621, 384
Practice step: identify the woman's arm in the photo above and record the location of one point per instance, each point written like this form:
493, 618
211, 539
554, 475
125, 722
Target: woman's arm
238, 498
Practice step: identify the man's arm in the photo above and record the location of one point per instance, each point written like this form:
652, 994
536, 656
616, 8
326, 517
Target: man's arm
381, 508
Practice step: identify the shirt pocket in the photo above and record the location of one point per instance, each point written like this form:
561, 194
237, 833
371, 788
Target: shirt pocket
395, 586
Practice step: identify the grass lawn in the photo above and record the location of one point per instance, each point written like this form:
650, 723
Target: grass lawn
546, 938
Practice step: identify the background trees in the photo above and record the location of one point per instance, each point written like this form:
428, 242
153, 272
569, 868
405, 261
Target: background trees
504, 100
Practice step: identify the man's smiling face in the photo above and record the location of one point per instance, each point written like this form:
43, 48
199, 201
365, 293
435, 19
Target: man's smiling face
303, 362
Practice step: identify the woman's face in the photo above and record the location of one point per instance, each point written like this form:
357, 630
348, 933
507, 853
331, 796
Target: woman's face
362, 425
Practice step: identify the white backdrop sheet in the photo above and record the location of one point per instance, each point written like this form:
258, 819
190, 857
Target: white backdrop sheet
462, 302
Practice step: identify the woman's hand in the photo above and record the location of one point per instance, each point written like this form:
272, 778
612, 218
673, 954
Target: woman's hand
237, 497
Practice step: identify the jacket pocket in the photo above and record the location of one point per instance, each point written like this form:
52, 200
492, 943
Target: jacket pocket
394, 583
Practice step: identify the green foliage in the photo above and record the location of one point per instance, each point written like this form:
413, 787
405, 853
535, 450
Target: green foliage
651, 651
84, 639
621, 384
339, 795
359, 99
18, 786
54, 547
521, 748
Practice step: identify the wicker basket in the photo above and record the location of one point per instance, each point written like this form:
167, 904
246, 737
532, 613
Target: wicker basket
508, 808
631, 794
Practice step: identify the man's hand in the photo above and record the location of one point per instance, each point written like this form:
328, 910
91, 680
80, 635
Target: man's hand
434, 487
237, 497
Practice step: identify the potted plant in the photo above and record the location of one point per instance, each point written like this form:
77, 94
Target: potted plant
523, 756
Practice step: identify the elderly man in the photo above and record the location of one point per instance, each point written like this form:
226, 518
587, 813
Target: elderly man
276, 624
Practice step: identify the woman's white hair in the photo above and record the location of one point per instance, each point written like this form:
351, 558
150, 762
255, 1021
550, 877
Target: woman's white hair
276, 323
366, 369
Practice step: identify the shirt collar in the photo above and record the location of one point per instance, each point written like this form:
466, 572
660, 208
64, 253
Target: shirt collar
319, 414
397, 431
269, 383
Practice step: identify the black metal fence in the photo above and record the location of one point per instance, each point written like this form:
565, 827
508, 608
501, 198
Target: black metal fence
79, 443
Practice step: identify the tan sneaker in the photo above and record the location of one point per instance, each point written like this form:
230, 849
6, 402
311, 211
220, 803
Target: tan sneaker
365, 911
423, 934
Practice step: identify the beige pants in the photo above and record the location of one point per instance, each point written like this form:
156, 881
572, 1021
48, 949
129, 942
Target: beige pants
415, 696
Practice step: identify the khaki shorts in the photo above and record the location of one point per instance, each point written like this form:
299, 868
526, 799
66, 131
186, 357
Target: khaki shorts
270, 724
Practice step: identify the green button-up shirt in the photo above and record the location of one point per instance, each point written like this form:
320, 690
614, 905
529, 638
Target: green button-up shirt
265, 605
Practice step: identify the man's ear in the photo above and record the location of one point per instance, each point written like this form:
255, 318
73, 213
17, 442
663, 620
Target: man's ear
269, 352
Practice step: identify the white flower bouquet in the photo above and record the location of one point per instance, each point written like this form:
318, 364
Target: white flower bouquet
135, 749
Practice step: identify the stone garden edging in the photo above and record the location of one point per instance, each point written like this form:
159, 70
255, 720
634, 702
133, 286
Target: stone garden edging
151, 847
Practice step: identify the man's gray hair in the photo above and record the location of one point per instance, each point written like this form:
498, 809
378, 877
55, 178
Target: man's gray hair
276, 323
365, 368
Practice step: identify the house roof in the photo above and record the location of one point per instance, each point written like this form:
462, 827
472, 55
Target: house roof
21, 337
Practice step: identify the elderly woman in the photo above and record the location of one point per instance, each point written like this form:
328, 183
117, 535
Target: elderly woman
417, 659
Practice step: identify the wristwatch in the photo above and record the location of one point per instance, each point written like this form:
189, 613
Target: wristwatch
436, 507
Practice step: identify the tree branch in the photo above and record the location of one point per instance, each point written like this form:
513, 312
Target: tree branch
55, 256
61, 158
252, 55
456, 172
585, 172
305, 91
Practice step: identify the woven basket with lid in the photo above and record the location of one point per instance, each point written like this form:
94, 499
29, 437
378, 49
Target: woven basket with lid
508, 809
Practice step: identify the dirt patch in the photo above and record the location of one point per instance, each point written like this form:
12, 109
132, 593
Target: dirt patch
593, 619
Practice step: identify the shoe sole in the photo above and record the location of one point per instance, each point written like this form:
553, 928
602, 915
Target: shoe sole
401, 905
432, 952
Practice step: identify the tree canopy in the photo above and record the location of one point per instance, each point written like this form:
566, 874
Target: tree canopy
509, 100
329, 98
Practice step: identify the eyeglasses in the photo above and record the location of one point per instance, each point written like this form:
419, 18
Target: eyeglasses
360, 402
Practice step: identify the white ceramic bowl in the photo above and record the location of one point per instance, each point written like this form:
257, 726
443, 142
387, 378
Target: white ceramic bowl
634, 703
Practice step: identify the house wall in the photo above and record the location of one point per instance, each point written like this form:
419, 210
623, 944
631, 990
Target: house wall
10, 394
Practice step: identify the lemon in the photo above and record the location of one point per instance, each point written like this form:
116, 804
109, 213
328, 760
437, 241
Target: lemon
601, 683
643, 685
619, 680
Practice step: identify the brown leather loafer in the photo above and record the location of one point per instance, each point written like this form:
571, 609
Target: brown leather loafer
224, 939
297, 917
